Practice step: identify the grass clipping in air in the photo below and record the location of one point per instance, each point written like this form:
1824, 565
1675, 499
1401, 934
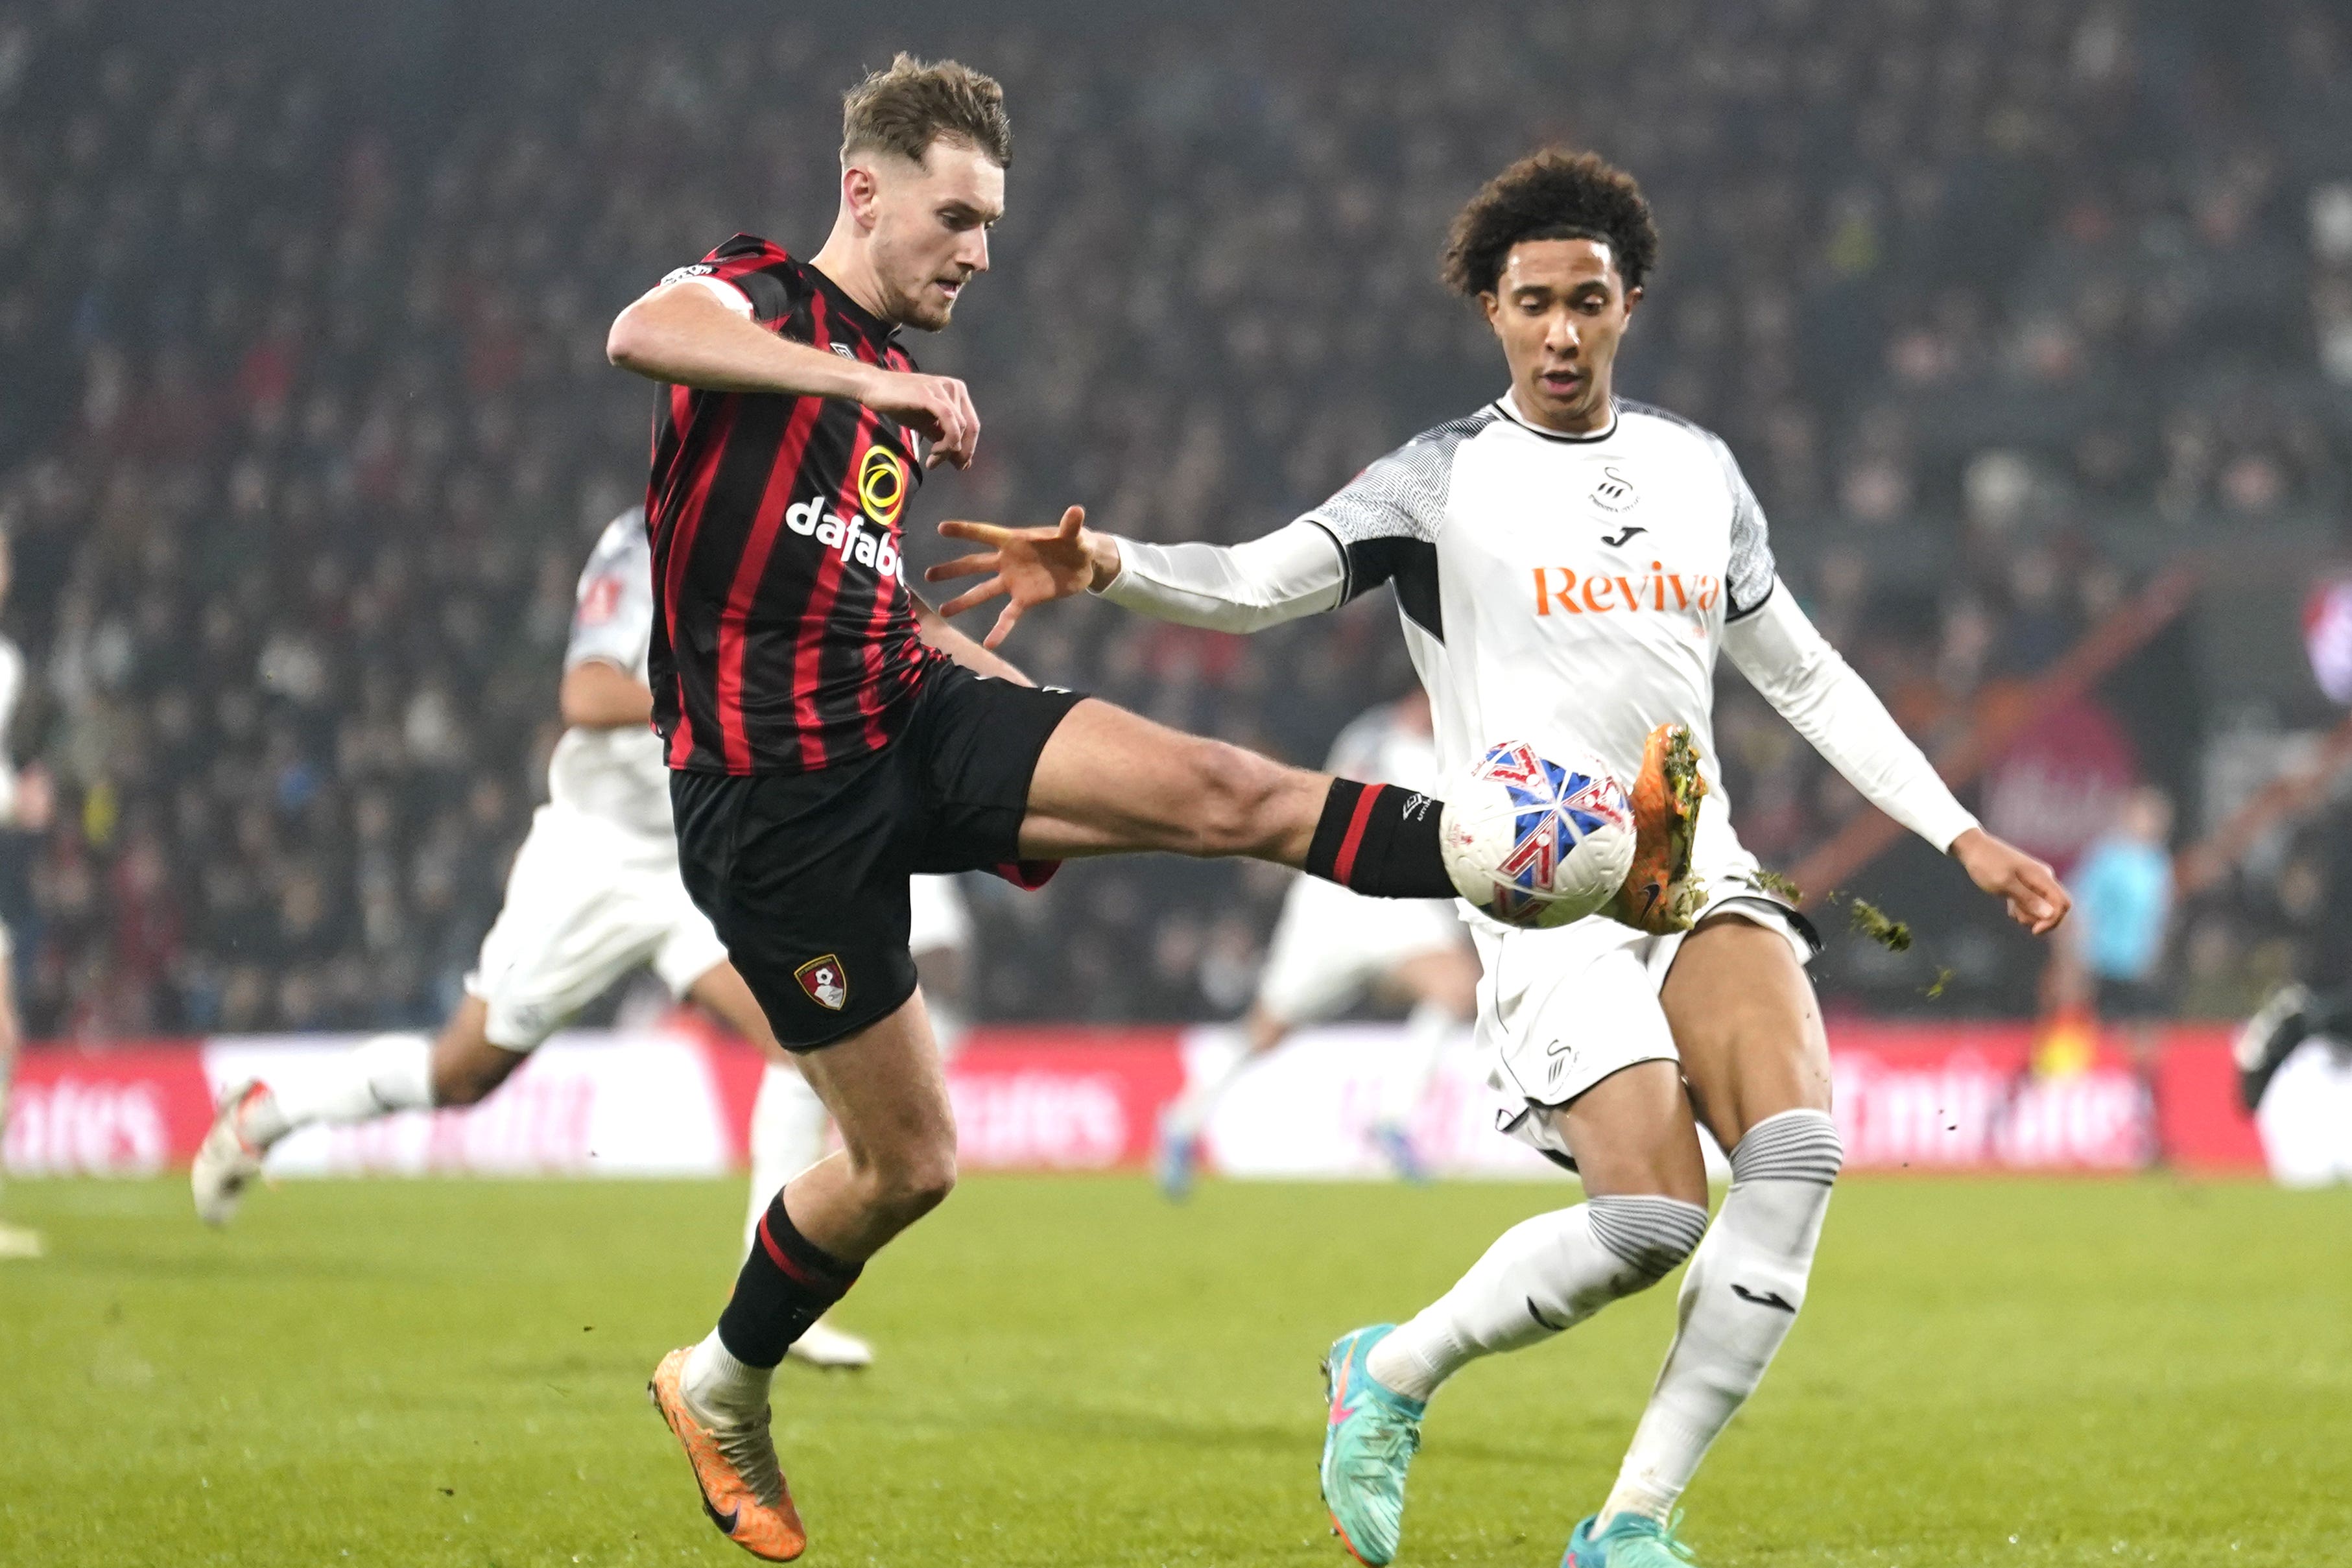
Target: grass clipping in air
1866, 918
1880, 927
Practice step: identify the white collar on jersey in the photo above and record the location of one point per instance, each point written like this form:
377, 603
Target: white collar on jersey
1503, 407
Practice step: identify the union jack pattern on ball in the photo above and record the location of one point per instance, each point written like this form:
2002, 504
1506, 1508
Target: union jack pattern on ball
1558, 809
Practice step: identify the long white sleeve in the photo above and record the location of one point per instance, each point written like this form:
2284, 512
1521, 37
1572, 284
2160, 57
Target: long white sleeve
1294, 570
1787, 659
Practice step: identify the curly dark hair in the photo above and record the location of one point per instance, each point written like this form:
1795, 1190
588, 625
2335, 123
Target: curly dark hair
1552, 195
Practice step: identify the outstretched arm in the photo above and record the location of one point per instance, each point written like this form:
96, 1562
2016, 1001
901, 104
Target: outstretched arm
1292, 572
1787, 659
699, 331
963, 649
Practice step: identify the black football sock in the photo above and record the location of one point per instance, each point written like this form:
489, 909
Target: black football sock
786, 1284
1380, 840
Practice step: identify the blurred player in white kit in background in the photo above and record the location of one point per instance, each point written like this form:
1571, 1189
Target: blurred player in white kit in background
595, 893
25, 801
1331, 945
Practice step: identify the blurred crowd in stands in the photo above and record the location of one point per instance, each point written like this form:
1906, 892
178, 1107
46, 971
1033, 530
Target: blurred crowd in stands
307, 424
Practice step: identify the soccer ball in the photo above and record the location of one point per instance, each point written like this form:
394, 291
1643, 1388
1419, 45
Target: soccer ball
1533, 842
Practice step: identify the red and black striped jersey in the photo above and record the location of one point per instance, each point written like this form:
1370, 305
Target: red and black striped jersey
784, 636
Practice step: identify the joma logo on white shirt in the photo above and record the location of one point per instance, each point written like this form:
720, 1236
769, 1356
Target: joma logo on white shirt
846, 535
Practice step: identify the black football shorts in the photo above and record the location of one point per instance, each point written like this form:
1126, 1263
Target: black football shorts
804, 875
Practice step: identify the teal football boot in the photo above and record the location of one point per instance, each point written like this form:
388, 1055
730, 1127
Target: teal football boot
1630, 1542
1373, 1434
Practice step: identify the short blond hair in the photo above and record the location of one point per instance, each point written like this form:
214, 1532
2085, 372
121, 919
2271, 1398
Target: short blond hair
914, 103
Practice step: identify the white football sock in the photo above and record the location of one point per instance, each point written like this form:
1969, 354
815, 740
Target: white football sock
1738, 1301
1541, 1275
719, 1390
1427, 1029
375, 1077
786, 1137
1190, 1111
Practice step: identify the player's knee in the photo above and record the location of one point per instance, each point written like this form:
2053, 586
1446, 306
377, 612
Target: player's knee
1233, 792
1800, 1145
913, 1183
1651, 1233
908, 1194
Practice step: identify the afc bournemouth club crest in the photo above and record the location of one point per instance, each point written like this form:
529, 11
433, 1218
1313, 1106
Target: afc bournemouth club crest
825, 981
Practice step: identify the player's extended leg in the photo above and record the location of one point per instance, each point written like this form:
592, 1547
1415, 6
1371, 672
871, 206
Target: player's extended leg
1756, 1062
889, 1096
15, 1240
1110, 781
786, 1137
380, 1077
1644, 1209
1443, 984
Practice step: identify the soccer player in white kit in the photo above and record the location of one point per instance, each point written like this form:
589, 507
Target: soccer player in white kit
595, 893
1331, 945
24, 802
1568, 564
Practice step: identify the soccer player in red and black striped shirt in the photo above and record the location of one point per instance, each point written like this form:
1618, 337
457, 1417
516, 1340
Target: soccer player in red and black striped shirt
829, 736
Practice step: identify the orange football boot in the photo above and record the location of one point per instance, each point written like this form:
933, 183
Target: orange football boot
1660, 895
743, 1491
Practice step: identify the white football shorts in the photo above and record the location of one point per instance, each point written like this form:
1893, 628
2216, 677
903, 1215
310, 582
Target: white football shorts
937, 916
1560, 1010
587, 902
1331, 944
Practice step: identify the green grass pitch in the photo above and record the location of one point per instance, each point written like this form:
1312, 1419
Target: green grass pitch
452, 1372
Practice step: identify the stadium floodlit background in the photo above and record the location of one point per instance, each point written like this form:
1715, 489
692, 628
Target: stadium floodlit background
2031, 321
2005, 307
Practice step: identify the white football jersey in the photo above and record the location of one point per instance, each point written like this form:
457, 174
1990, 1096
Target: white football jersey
617, 774
1569, 591
1378, 747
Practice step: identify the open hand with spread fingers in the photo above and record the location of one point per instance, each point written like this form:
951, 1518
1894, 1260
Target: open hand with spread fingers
1027, 566
2036, 898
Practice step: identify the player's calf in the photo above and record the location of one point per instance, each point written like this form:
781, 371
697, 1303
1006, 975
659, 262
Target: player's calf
466, 1068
